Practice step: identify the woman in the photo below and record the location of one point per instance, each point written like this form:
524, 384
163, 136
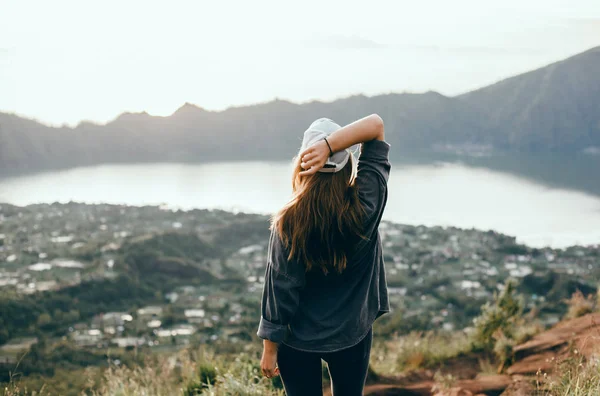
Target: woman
325, 281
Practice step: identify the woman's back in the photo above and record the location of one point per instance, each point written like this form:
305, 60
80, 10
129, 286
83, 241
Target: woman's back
333, 311
325, 278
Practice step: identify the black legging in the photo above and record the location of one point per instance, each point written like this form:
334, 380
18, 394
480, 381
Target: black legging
301, 371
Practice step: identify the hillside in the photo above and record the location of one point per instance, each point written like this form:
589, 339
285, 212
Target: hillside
83, 285
555, 108
560, 360
552, 109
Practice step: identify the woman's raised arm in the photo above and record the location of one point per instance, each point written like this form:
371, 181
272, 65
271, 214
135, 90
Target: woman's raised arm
360, 131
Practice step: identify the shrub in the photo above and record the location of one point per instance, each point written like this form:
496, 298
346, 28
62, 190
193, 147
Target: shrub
207, 376
503, 349
194, 387
579, 305
526, 329
207, 373
502, 314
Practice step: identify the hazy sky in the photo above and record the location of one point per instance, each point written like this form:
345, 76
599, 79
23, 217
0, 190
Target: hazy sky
67, 61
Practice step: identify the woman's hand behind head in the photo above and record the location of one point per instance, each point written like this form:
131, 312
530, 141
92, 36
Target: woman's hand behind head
314, 158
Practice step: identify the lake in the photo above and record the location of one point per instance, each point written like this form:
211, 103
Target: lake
447, 194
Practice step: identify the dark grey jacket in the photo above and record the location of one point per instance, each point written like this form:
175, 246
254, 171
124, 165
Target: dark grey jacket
315, 312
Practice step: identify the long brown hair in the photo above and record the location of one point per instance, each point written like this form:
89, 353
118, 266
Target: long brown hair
323, 219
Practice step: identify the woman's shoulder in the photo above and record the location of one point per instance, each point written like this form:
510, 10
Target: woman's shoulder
374, 149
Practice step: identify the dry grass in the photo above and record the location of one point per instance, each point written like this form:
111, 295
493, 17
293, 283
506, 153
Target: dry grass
416, 350
525, 329
572, 376
185, 373
487, 367
14, 388
579, 305
443, 383
189, 373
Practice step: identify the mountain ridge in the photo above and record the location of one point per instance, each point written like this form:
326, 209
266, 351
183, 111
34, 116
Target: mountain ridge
555, 108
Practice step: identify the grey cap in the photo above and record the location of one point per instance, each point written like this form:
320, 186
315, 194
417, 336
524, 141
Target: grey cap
322, 128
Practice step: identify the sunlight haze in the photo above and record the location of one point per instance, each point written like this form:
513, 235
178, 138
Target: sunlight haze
67, 61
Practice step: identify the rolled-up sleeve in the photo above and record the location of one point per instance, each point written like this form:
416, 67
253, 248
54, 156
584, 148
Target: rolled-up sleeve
284, 279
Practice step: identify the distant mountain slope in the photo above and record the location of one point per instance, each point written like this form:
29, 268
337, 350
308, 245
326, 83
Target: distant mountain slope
555, 108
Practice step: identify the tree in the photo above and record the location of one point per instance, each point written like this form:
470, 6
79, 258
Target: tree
44, 320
